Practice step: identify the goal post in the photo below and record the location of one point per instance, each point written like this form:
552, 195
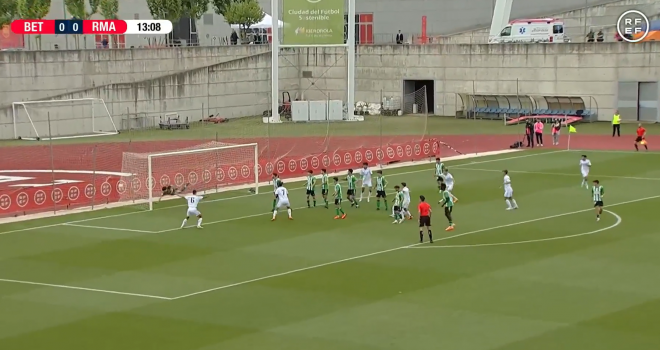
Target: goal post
62, 119
207, 168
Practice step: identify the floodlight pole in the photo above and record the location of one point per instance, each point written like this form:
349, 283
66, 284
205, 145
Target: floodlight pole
350, 101
275, 61
275, 58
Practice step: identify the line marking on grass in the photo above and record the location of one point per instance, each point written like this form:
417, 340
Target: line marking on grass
617, 223
268, 192
108, 228
84, 289
399, 248
565, 174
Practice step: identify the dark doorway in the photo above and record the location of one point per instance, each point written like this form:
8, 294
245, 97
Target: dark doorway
418, 96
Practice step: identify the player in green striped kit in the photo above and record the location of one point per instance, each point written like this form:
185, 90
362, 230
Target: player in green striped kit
324, 186
310, 186
396, 205
381, 183
276, 181
598, 192
338, 198
448, 201
352, 184
439, 169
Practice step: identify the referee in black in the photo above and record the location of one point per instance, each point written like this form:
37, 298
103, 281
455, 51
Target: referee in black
424, 219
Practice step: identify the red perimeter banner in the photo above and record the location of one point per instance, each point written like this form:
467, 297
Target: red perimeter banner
9, 40
32, 191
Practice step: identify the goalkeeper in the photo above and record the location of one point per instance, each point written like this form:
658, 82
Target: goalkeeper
172, 191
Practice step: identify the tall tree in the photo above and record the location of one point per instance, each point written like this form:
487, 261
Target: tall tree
78, 9
165, 9
194, 9
33, 9
244, 13
8, 12
221, 6
109, 8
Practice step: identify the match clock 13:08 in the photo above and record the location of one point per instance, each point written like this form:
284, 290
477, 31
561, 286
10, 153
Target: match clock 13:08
148, 27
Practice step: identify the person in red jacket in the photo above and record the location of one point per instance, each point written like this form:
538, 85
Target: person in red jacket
641, 138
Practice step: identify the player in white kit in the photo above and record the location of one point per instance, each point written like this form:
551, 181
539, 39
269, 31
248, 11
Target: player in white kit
449, 179
508, 192
406, 201
585, 166
282, 197
366, 180
193, 200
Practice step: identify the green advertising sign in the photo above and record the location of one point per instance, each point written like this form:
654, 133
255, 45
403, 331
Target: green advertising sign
313, 22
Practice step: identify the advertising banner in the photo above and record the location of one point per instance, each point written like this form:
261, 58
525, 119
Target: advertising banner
313, 22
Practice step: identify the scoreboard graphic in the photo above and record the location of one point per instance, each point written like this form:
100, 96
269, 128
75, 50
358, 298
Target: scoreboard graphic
52, 27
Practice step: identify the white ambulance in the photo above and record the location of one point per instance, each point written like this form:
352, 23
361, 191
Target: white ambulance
539, 30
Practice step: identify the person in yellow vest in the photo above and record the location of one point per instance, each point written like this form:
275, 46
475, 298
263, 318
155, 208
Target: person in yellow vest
616, 124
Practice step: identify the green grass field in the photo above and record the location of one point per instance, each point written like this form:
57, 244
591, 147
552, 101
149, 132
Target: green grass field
546, 276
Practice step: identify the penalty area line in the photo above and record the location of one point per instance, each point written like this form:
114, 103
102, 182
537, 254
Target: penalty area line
61, 286
617, 223
108, 228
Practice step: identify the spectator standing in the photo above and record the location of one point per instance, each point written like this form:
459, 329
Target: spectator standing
233, 38
616, 124
399, 38
538, 132
590, 36
556, 129
529, 133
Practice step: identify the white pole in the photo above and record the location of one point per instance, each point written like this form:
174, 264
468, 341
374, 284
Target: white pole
351, 59
569, 141
149, 182
13, 113
275, 60
93, 121
256, 167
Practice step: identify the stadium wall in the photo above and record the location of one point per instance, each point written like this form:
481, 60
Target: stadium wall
33, 75
241, 87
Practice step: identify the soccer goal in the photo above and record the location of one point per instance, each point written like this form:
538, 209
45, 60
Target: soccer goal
62, 119
207, 168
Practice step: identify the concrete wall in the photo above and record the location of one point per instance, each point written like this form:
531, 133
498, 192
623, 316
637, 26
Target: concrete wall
241, 87
33, 75
565, 70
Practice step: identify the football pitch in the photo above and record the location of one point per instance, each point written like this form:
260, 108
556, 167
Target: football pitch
545, 276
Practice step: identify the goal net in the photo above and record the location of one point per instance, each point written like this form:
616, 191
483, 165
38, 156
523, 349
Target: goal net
207, 168
416, 102
62, 119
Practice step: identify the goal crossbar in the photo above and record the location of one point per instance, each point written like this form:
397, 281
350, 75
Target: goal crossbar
16, 108
151, 157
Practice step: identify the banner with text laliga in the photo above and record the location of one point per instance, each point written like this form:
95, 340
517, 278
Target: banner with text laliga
313, 22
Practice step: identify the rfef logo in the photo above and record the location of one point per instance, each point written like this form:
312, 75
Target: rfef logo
631, 23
